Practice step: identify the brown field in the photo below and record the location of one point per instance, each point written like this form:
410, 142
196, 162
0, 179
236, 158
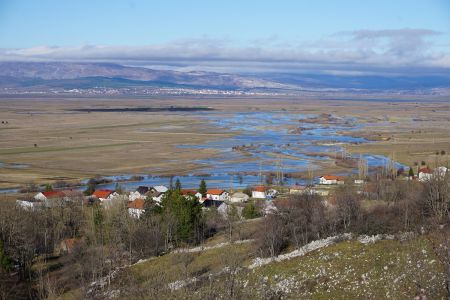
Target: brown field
78, 145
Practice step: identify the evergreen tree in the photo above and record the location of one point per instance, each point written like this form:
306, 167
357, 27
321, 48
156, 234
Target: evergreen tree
411, 172
202, 188
182, 218
178, 185
171, 183
5, 261
91, 185
249, 211
48, 187
151, 208
118, 188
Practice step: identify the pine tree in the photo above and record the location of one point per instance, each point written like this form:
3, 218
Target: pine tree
118, 188
202, 188
249, 211
48, 187
411, 172
178, 185
91, 185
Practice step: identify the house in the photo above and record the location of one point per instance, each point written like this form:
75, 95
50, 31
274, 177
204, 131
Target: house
135, 195
239, 197
44, 196
72, 194
136, 208
105, 195
140, 192
441, 171
155, 196
331, 179
40, 199
259, 192
191, 193
217, 195
319, 191
425, 174
160, 189
297, 189
359, 181
29, 204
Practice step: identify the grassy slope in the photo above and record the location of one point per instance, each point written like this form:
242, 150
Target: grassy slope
348, 270
351, 270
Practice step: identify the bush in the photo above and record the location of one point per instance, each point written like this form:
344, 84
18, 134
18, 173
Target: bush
250, 211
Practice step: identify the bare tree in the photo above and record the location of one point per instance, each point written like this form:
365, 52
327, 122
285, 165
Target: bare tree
272, 237
347, 205
437, 197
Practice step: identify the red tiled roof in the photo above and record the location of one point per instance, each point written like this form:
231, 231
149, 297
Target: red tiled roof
215, 192
138, 204
259, 188
53, 194
102, 193
426, 170
186, 192
333, 177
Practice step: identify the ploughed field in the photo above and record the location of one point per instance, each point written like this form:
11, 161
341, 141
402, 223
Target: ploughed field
47, 140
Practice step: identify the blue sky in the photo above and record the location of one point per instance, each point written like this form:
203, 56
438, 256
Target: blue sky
231, 34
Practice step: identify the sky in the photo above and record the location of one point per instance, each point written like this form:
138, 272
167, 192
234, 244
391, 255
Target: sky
340, 36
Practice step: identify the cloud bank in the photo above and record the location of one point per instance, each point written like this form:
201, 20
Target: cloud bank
350, 52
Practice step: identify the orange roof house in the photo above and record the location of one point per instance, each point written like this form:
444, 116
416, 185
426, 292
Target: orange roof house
333, 177
102, 194
53, 194
259, 188
330, 177
186, 192
215, 192
426, 170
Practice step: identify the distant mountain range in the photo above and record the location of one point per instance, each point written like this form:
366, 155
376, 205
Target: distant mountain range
88, 75
66, 75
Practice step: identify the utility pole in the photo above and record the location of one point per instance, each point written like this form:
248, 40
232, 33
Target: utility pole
310, 175
231, 184
362, 167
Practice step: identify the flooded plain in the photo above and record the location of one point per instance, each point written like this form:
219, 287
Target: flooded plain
265, 143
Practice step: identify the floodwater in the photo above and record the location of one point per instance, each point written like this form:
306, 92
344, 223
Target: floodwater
13, 166
277, 142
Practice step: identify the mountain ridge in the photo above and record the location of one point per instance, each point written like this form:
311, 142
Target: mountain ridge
111, 75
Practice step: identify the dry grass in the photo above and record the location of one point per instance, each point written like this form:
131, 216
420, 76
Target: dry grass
74, 145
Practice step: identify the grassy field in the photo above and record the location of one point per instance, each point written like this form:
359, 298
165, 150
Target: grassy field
55, 142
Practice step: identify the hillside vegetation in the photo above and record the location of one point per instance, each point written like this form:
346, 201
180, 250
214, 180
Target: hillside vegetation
389, 268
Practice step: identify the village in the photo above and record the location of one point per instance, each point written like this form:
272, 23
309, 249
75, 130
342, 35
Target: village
264, 196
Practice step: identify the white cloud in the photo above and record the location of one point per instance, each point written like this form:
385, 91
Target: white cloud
355, 51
